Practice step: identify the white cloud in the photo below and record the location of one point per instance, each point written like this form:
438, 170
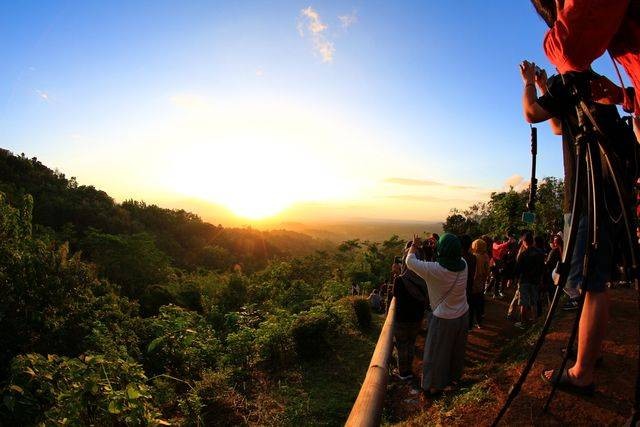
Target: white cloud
348, 20
517, 182
325, 49
259, 72
43, 95
311, 23
314, 24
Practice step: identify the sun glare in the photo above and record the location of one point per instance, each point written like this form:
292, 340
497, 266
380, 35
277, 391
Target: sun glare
257, 165
259, 159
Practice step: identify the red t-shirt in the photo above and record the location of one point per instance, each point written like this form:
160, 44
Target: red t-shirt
585, 29
500, 250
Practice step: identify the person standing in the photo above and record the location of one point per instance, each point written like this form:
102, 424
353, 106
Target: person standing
476, 299
499, 254
446, 280
470, 259
528, 272
557, 106
410, 292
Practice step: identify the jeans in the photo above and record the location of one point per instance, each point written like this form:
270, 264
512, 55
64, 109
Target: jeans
600, 262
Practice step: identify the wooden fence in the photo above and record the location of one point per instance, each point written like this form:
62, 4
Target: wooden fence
367, 411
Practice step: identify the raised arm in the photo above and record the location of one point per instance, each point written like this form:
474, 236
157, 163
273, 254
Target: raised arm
533, 112
421, 268
541, 83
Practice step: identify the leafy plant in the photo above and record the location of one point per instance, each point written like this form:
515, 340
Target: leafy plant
181, 343
91, 390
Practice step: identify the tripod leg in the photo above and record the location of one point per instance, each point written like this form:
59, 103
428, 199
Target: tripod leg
563, 270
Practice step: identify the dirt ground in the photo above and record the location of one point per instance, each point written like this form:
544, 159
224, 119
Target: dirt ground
488, 376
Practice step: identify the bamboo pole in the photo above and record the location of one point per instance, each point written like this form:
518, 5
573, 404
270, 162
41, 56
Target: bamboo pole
367, 410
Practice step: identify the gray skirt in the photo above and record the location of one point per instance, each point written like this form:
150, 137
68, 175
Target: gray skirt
444, 351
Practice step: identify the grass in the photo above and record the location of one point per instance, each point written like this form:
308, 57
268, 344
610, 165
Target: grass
471, 401
518, 348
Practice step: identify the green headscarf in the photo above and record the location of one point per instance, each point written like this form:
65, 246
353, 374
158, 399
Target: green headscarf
449, 253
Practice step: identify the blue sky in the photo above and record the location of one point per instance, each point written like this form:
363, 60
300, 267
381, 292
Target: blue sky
131, 97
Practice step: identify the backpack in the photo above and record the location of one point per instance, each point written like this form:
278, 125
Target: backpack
415, 285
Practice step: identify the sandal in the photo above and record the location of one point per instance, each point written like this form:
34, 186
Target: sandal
573, 356
565, 383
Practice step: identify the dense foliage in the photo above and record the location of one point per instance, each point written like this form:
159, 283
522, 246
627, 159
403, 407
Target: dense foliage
502, 214
129, 314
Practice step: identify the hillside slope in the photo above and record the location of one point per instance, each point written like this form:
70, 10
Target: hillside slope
496, 355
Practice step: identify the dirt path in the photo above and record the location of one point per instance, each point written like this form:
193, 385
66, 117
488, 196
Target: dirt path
609, 406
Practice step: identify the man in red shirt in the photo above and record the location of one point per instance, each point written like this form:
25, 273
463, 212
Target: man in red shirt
583, 30
580, 32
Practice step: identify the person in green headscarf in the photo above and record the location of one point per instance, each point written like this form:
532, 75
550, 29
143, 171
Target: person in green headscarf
449, 253
448, 326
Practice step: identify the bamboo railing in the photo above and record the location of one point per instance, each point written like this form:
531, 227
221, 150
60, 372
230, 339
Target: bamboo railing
367, 411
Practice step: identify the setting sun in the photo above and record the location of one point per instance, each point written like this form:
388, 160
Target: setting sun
257, 160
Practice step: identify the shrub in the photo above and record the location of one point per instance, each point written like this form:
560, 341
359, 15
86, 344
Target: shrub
181, 343
333, 290
278, 287
362, 309
228, 292
240, 351
189, 296
309, 333
274, 344
153, 298
343, 313
92, 390
214, 402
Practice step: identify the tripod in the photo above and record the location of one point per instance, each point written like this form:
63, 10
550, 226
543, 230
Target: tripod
593, 155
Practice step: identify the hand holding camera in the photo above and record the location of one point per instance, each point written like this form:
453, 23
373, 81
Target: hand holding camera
528, 72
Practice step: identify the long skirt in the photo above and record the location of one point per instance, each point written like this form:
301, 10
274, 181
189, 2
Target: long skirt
444, 351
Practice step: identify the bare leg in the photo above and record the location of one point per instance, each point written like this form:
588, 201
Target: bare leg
525, 316
591, 333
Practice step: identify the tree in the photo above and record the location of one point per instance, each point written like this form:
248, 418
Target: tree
549, 212
131, 261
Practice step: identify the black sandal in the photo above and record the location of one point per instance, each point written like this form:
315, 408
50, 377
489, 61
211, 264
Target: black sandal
565, 383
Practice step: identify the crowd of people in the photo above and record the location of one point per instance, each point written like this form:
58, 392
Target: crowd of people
440, 283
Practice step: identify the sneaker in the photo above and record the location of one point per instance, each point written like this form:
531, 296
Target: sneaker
402, 377
501, 295
520, 325
570, 305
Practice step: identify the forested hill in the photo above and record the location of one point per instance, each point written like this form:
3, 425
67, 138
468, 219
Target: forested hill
90, 221
128, 314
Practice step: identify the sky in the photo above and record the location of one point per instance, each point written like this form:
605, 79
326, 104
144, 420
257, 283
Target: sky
291, 110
